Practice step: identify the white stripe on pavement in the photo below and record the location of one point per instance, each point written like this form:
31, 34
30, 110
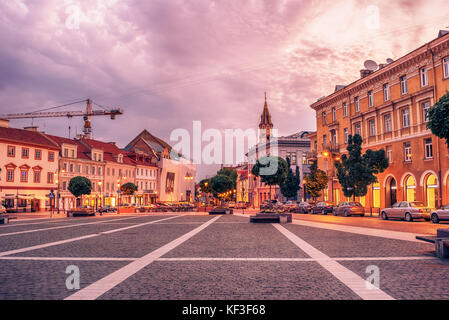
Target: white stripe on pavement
300, 259
103, 285
389, 234
51, 244
62, 227
353, 281
68, 258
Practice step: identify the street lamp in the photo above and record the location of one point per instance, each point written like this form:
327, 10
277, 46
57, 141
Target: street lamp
101, 193
118, 196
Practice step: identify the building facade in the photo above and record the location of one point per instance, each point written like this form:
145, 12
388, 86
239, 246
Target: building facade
29, 165
295, 147
388, 108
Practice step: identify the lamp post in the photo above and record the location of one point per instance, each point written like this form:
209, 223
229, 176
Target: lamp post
118, 197
101, 193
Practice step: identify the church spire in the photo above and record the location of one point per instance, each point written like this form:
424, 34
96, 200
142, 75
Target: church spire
265, 118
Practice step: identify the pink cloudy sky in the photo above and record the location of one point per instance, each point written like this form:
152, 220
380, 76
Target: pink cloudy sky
169, 62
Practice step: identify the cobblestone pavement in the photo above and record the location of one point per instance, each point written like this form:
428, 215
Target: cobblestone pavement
178, 256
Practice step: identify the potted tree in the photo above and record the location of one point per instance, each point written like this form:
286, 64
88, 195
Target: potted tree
128, 189
80, 186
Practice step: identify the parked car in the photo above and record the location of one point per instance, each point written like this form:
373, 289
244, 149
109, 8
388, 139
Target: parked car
348, 209
107, 209
407, 211
440, 215
303, 207
289, 205
268, 204
323, 207
2, 209
231, 204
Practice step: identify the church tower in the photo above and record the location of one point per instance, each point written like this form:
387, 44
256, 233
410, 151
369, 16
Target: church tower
265, 124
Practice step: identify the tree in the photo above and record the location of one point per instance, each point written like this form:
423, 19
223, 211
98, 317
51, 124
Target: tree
79, 186
205, 186
438, 117
290, 187
231, 173
271, 170
128, 188
315, 181
220, 184
356, 172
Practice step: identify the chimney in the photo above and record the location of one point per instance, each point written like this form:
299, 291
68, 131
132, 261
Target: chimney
4, 123
382, 65
32, 128
365, 72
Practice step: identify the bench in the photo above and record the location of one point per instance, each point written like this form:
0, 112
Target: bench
265, 218
4, 219
221, 211
78, 213
441, 242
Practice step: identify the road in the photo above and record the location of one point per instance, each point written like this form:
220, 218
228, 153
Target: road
178, 256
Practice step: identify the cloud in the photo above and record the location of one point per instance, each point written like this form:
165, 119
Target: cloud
169, 62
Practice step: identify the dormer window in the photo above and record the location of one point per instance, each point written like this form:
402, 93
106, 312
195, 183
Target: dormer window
120, 158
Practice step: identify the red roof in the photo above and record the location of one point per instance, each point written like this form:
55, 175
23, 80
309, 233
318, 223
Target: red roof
27, 137
110, 150
82, 150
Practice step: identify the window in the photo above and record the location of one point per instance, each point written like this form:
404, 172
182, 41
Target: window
37, 154
345, 110
425, 110
358, 129
405, 118
51, 156
346, 134
95, 157
78, 169
66, 152
428, 148
324, 117
446, 67
25, 153
93, 186
11, 151
404, 88
99, 171
50, 177
334, 114
371, 98
64, 166
334, 137
424, 78
10, 175
71, 167
387, 120
324, 139
292, 157
407, 152
37, 176
87, 169
386, 92
24, 175
108, 171
357, 104
389, 152
72, 153
64, 185
113, 172
93, 170
372, 128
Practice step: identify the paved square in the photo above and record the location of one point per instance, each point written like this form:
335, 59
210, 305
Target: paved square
170, 256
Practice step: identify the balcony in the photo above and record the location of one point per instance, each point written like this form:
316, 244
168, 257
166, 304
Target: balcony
331, 147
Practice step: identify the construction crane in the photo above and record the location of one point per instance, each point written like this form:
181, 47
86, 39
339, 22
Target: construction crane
87, 114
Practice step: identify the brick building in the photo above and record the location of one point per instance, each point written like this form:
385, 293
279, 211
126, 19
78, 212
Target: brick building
387, 107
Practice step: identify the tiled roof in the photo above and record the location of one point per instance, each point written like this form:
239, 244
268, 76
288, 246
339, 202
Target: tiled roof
110, 150
25, 136
82, 150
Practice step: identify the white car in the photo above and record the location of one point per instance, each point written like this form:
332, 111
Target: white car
2, 209
440, 215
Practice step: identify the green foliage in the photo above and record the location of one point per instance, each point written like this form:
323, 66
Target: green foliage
272, 170
79, 186
231, 173
316, 181
206, 186
439, 118
221, 183
290, 187
356, 172
128, 188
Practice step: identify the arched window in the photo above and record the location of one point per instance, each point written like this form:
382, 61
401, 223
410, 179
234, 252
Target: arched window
431, 187
410, 189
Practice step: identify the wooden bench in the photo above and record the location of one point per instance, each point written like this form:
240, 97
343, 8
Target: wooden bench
441, 242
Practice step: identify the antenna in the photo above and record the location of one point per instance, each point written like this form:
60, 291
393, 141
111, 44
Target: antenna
370, 65
389, 60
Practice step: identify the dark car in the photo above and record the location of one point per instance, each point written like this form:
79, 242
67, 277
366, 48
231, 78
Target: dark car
323, 207
348, 209
302, 207
107, 209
